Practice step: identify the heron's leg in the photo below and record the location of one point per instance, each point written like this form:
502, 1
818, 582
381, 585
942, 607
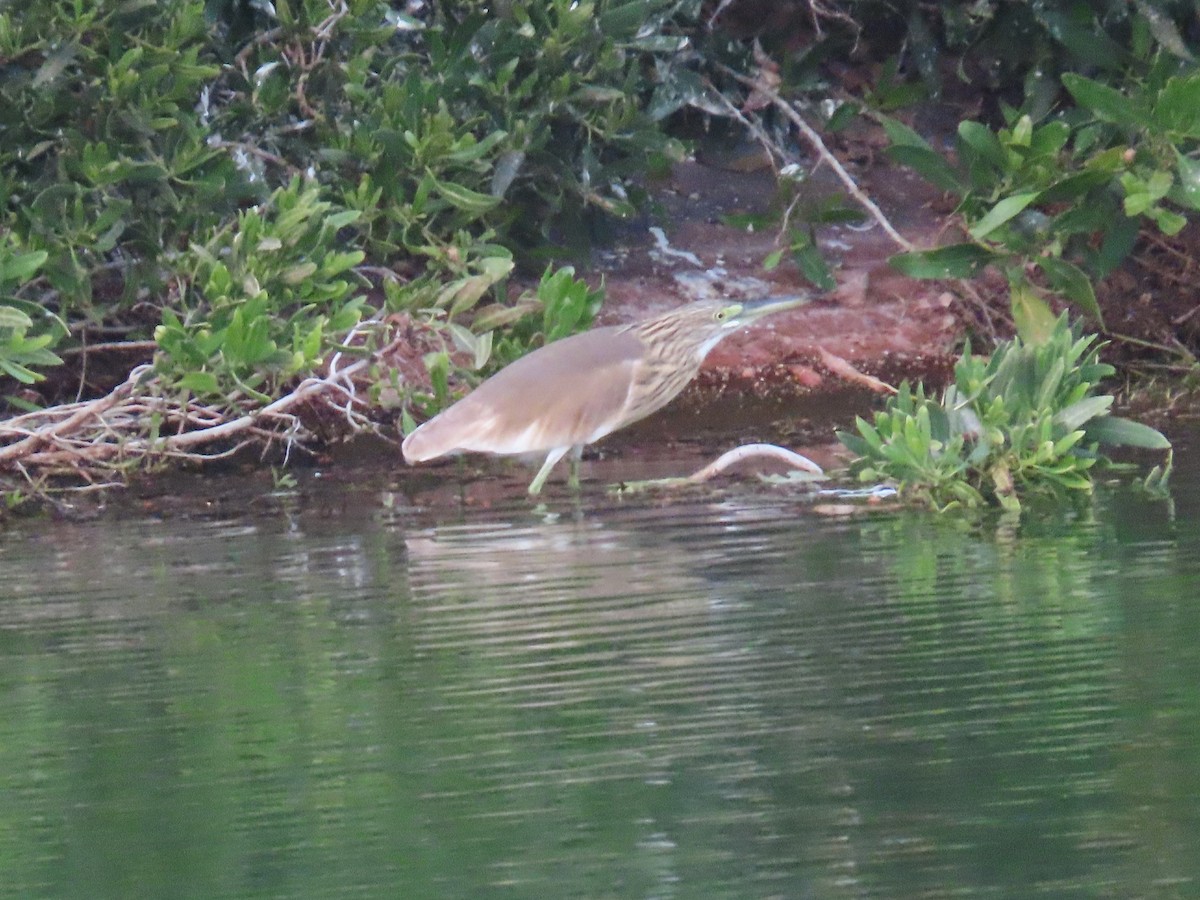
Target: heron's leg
552, 457
573, 478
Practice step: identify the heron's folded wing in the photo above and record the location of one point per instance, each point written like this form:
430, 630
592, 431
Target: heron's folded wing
568, 393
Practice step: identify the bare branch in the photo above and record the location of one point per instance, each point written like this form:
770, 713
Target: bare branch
824, 153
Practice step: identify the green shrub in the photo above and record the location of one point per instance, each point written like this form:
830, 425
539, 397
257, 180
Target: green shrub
509, 119
1025, 419
104, 164
1093, 137
264, 299
1067, 196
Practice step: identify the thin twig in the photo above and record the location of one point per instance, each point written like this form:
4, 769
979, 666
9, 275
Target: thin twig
759, 133
309, 387
110, 347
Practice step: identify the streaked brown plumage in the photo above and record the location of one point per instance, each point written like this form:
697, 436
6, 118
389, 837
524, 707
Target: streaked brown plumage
577, 390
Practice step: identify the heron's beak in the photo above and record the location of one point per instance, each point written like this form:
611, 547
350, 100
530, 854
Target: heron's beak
753, 310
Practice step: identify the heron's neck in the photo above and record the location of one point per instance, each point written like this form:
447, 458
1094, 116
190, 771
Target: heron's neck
704, 349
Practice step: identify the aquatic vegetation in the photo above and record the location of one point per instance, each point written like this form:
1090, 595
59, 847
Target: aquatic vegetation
1027, 418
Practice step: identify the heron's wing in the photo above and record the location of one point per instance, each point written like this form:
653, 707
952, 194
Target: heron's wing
568, 393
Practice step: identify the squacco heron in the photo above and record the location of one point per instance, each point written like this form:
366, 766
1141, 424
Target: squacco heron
575, 391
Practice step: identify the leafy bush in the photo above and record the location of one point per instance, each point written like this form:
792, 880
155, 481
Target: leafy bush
1019, 51
1097, 129
465, 124
1025, 419
1066, 196
104, 164
151, 153
264, 298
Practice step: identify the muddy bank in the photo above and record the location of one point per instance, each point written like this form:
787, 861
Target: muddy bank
881, 322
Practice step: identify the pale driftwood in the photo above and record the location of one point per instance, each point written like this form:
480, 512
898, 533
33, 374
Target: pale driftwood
97, 433
90, 410
723, 462
754, 451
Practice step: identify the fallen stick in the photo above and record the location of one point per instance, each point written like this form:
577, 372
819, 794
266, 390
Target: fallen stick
90, 410
754, 451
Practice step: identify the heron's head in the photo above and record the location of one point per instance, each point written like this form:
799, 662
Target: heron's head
700, 326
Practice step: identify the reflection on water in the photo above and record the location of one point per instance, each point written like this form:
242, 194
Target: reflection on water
732, 698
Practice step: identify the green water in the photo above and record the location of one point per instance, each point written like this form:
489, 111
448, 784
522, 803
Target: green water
337, 695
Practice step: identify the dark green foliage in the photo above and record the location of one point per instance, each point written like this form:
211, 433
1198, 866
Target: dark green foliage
1067, 195
554, 93
1098, 140
101, 152
149, 157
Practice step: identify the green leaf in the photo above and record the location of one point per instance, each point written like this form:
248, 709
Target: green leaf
20, 266
1105, 102
1113, 430
853, 443
1075, 416
1050, 138
813, 266
1073, 186
983, 142
337, 262
952, 261
902, 136
470, 150
493, 316
298, 273
929, 164
656, 43
1169, 223
1002, 212
19, 372
1032, 316
1187, 192
201, 383
1118, 243
11, 317
1080, 33
1072, 283
1178, 106
464, 198
624, 21
343, 218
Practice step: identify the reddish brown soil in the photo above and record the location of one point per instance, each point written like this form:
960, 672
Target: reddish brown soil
877, 320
